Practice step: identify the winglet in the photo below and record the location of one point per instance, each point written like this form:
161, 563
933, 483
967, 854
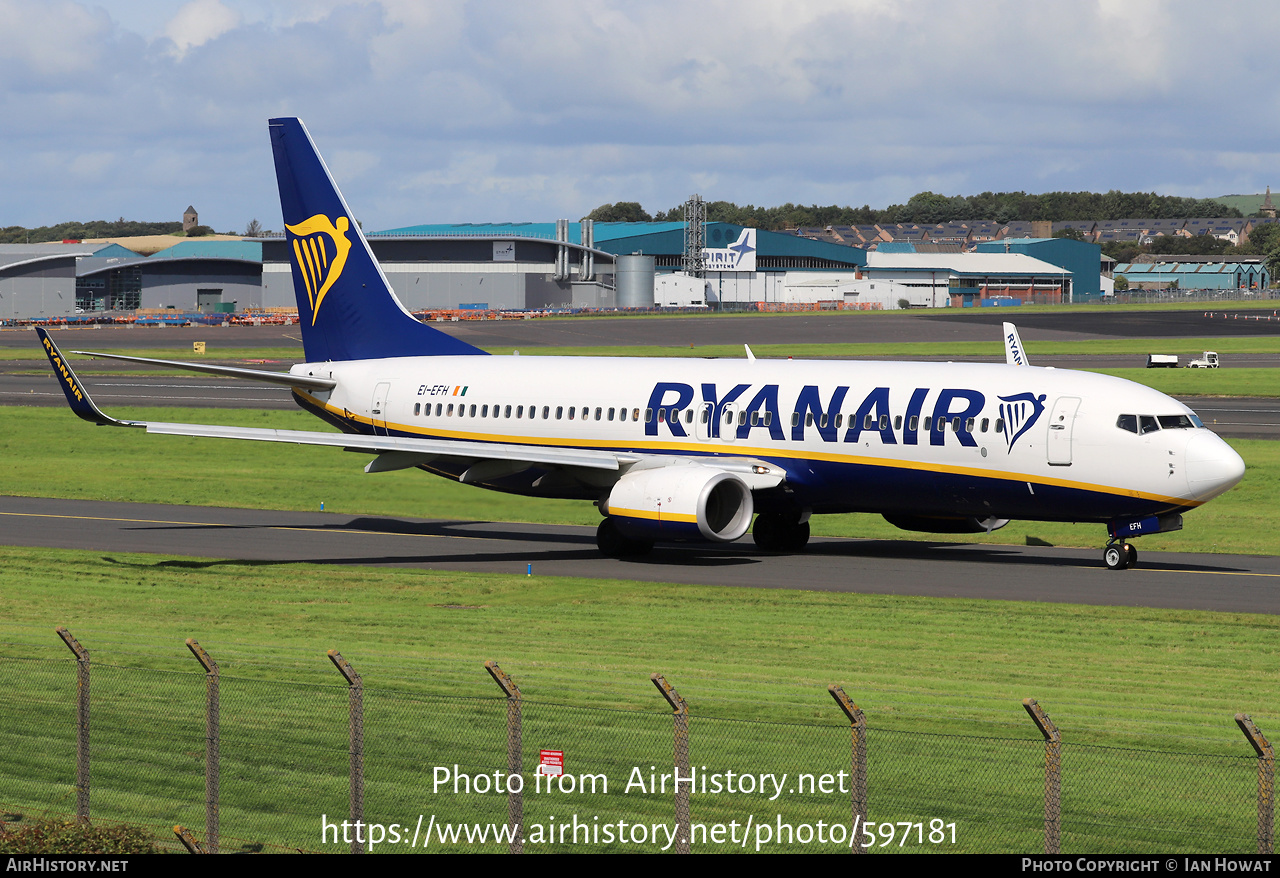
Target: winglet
1014, 353
750, 356
76, 394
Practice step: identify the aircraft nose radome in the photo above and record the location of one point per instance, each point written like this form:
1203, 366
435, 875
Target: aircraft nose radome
1213, 467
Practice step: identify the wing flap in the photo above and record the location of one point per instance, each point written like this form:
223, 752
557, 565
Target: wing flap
605, 460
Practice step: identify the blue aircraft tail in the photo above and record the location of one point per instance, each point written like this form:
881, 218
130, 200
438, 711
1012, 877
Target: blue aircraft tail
345, 305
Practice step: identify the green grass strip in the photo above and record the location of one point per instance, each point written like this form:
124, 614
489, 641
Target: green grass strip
1120, 675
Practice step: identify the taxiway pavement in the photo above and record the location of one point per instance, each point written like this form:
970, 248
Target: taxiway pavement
1225, 583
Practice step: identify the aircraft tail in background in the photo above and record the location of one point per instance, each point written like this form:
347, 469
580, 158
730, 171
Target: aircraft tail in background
345, 304
1014, 353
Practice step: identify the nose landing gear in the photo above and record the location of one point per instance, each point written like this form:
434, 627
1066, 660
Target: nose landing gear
1119, 556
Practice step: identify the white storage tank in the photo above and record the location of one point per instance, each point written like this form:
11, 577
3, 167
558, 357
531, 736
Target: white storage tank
634, 280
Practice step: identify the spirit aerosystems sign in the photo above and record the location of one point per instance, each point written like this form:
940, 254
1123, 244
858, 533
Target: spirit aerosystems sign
738, 256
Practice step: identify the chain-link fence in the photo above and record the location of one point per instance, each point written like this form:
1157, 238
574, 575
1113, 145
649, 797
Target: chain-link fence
1147, 297
262, 765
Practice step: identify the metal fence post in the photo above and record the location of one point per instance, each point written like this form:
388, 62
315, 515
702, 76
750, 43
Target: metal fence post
858, 762
189, 841
681, 754
356, 701
82, 723
1052, 775
515, 798
1266, 783
211, 710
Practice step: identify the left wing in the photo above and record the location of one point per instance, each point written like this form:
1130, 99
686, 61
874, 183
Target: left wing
394, 452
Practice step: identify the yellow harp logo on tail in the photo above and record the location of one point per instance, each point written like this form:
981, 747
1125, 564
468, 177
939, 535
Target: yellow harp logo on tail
320, 250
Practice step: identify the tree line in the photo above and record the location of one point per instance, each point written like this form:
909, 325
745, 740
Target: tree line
121, 228
930, 207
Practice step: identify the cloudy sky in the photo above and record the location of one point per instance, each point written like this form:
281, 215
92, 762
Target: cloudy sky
494, 111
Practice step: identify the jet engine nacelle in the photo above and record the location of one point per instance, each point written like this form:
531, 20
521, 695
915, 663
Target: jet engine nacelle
681, 503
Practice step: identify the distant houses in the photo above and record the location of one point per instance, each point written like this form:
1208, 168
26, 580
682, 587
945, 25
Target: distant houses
967, 235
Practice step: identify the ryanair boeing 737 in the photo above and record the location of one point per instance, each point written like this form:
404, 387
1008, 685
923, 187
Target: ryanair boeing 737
693, 449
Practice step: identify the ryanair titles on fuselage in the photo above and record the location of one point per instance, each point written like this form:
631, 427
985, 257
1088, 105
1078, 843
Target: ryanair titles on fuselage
952, 406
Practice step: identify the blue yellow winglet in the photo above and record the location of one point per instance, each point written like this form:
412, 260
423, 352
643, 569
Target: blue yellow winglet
77, 396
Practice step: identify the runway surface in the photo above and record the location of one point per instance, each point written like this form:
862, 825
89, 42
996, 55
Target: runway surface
42, 389
1226, 583
822, 327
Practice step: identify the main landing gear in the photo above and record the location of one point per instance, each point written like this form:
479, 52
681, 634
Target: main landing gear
777, 532
613, 544
1119, 556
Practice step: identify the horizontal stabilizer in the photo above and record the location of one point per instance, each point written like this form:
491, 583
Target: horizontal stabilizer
285, 378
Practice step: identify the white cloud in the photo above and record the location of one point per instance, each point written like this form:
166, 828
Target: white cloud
198, 22
531, 111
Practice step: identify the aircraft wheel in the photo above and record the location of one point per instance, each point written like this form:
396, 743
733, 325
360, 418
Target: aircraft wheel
797, 538
1131, 555
777, 533
1116, 557
612, 544
769, 532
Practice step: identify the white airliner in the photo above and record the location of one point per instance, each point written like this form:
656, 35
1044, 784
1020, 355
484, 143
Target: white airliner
692, 449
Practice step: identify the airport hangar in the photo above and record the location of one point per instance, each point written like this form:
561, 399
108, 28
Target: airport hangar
541, 266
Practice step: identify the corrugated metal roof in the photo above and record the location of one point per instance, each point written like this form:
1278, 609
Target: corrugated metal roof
603, 231
197, 249
963, 263
15, 254
768, 244
1187, 267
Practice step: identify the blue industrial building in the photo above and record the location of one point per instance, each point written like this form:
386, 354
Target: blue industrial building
1081, 259
1188, 273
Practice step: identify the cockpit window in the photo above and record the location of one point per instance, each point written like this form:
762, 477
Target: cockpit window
1143, 424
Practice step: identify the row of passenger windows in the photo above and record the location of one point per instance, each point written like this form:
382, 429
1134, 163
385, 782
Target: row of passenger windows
914, 423
450, 410
869, 422
756, 418
1144, 424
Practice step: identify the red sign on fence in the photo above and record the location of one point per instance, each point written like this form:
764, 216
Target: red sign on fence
551, 762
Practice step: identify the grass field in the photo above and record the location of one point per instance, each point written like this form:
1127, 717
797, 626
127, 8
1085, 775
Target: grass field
940, 680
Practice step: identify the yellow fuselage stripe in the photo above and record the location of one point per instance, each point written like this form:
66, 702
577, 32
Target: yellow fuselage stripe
735, 450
